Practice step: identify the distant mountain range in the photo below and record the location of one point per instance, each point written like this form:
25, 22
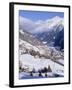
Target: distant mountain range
49, 32
54, 37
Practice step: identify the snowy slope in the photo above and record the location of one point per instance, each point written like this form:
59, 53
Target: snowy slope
37, 63
30, 62
28, 44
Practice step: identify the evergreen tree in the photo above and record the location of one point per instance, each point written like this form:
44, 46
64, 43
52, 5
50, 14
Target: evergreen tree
45, 74
49, 69
40, 74
31, 74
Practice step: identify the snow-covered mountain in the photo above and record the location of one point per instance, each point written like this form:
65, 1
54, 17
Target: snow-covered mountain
29, 41
29, 44
50, 36
49, 24
46, 30
34, 54
53, 26
40, 25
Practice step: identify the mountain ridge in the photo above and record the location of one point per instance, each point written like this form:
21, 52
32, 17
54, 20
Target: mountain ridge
27, 45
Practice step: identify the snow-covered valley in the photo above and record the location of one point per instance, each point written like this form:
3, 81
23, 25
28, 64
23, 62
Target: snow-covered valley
38, 60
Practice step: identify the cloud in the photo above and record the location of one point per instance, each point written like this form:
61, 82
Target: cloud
26, 24
38, 26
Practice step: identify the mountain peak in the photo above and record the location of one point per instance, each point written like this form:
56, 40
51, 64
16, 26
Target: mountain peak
57, 18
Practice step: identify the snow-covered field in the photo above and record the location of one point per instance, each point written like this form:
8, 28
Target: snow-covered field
39, 63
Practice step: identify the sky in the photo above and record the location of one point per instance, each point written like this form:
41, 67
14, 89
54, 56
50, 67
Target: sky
39, 15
